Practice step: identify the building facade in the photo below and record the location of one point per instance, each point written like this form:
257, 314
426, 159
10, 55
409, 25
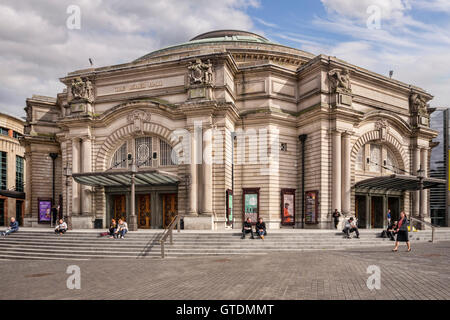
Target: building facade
439, 168
290, 134
12, 170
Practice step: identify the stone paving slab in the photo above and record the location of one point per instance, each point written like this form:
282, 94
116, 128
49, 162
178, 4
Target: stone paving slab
423, 273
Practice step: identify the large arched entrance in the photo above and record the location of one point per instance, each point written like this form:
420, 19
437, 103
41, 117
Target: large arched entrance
374, 157
156, 205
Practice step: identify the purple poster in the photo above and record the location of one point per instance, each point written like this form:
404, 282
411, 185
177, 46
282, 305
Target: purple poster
45, 208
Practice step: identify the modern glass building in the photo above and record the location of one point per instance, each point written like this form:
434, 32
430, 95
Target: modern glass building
439, 168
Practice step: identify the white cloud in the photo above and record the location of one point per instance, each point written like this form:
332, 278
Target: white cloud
416, 51
36, 47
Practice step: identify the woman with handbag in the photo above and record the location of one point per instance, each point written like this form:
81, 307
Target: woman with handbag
402, 232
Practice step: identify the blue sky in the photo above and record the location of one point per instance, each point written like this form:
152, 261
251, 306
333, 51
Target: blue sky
37, 48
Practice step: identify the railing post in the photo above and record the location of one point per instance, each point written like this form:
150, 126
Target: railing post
170, 235
178, 223
432, 234
162, 249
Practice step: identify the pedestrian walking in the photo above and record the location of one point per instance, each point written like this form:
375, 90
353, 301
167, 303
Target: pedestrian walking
389, 217
402, 232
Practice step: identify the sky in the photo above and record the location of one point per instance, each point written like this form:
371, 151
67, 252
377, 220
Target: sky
39, 44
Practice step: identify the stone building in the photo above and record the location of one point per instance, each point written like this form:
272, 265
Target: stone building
12, 169
292, 137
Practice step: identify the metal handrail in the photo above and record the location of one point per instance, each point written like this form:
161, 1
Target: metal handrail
168, 232
433, 226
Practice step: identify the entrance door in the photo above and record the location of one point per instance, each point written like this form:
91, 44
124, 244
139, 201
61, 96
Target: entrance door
376, 214
394, 206
144, 211
19, 210
120, 208
360, 211
169, 204
2, 212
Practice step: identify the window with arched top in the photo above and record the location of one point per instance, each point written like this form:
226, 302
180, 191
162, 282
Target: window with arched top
147, 151
119, 159
376, 158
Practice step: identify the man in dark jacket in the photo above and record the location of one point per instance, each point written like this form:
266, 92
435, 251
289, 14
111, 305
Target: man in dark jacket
13, 227
335, 216
261, 228
54, 215
247, 228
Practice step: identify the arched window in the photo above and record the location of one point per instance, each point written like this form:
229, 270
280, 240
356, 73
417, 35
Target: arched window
143, 151
391, 161
165, 150
376, 158
119, 159
360, 159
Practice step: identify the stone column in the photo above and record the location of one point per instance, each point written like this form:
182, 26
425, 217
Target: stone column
346, 188
86, 166
193, 209
28, 185
423, 164
336, 171
207, 173
415, 167
75, 169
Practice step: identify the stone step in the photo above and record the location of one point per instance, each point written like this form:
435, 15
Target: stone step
88, 245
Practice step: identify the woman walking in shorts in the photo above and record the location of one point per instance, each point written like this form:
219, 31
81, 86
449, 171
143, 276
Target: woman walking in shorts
402, 232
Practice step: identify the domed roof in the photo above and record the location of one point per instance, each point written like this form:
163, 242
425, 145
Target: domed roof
217, 36
235, 34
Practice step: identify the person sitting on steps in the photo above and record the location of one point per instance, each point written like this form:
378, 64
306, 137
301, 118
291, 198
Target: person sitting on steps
261, 228
247, 228
391, 230
13, 227
61, 227
122, 228
112, 228
350, 226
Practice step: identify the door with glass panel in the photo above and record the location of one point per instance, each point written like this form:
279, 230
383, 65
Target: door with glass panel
144, 211
169, 204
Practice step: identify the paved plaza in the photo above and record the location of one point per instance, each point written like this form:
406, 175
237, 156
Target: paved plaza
423, 273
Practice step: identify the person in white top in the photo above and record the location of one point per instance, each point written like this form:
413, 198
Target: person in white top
61, 227
122, 228
350, 226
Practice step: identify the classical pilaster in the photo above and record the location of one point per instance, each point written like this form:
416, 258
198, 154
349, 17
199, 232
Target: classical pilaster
415, 168
28, 182
75, 169
336, 171
207, 173
193, 196
346, 187
424, 167
86, 166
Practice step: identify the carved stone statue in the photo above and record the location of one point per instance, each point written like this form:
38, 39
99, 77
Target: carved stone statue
200, 72
82, 89
138, 118
382, 126
340, 80
419, 104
